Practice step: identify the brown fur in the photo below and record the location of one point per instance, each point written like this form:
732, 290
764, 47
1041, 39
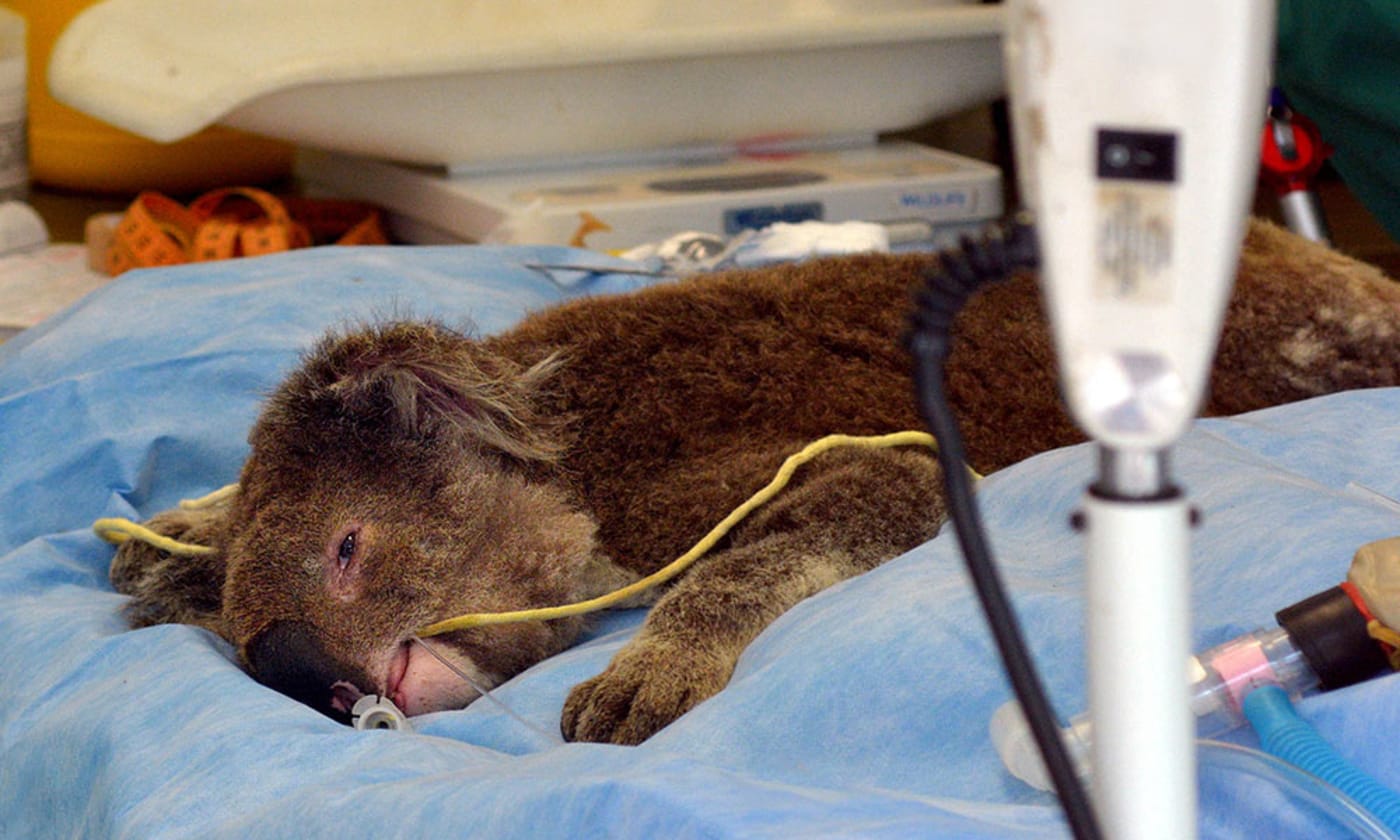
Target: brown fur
601, 438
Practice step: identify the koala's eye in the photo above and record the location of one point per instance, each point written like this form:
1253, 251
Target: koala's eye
345, 555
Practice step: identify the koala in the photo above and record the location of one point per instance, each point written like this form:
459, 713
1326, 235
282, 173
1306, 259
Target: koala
407, 472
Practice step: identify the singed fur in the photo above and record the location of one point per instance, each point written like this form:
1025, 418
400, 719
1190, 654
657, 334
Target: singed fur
599, 439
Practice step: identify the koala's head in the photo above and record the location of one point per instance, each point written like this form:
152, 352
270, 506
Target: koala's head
401, 476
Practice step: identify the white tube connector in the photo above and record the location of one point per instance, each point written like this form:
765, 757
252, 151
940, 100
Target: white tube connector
374, 712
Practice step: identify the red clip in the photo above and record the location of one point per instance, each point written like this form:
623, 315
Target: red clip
1292, 152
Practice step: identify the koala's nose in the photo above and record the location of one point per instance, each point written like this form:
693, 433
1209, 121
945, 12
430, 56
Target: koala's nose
288, 657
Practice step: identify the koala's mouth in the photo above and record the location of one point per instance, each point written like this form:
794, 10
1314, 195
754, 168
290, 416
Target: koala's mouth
423, 677
398, 668
419, 678
345, 693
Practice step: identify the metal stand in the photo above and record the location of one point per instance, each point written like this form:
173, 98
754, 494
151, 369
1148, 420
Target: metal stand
1137, 528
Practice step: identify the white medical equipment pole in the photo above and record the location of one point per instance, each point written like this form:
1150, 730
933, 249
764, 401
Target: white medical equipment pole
1138, 595
1136, 128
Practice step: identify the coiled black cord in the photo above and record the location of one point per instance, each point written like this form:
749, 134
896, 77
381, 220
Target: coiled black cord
960, 272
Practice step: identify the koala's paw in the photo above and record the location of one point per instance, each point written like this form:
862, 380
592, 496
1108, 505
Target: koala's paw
645, 687
135, 560
167, 588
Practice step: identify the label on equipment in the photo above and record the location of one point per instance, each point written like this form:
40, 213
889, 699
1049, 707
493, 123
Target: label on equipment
1136, 203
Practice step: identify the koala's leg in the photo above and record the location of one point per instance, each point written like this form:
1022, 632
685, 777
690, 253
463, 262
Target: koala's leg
846, 512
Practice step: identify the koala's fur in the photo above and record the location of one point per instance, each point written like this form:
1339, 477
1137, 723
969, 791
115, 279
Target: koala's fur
406, 473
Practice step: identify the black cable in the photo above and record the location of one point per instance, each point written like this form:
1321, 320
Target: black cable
958, 274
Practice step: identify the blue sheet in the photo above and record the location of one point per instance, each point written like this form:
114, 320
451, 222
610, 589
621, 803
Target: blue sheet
863, 712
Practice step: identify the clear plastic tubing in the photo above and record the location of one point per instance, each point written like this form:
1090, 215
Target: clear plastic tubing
1220, 679
1297, 783
1302, 785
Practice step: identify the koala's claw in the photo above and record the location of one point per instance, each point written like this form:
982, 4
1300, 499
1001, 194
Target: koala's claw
645, 688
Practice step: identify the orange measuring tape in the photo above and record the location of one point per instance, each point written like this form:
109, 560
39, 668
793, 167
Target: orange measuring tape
234, 222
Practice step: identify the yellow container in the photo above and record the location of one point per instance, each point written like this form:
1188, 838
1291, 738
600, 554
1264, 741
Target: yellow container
70, 150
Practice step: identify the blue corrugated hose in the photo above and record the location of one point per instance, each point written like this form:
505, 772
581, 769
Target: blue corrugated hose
1284, 734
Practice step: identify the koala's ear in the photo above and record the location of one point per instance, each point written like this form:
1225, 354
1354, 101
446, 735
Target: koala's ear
170, 588
425, 380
